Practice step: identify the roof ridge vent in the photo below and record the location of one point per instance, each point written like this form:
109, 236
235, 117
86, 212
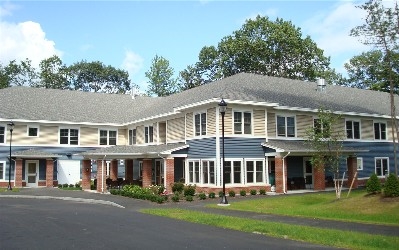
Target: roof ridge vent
321, 85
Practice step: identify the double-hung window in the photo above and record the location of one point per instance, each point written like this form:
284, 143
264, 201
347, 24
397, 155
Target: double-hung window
380, 131
242, 122
381, 166
352, 129
132, 136
233, 172
149, 134
200, 124
286, 126
108, 137
2, 134
2, 170
193, 171
208, 172
321, 128
254, 171
69, 136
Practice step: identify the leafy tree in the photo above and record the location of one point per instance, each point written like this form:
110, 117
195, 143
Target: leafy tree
14, 74
381, 31
53, 74
326, 142
160, 78
96, 77
260, 46
391, 188
373, 184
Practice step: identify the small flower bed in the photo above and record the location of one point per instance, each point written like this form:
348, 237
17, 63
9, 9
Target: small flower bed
152, 193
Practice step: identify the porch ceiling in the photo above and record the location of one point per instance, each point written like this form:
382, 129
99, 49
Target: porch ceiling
33, 153
301, 147
134, 151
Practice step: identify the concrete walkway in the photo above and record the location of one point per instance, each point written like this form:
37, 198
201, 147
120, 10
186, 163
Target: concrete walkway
134, 204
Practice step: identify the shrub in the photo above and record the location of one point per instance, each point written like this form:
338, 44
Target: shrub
176, 197
59, 185
373, 184
391, 188
220, 193
262, 191
232, 193
64, 185
177, 187
189, 198
77, 185
189, 190
71, 185
252, 192
212, 195
243, 193
202, 196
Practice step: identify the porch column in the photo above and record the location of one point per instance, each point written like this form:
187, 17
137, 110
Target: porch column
319, 178
18, 173
129, 170
169, 174
147, 172
351, 162
86, 174
49, 173
101, 169
280, 175
113, 172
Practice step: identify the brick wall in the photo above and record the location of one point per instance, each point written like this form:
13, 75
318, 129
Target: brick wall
113, 170
101, 176
280, 175
86, 174
169, 174
147, 172
319, 178
49, 173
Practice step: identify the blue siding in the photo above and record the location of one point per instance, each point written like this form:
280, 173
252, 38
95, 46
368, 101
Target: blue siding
202, 148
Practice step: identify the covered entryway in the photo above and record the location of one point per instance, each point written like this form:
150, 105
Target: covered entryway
31, 173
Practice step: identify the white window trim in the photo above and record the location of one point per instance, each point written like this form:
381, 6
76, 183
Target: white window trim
242, 111
153, 139
386, 130
264, 177
285, 115
108, 130
4, 170
206, 125
359, 160
69, 128
360, 129
128, 136
375, 165
214, 172
243, 176
5, 133
27, 130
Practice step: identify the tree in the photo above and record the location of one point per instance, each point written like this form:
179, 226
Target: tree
160, 78
53, 74
381, 31
260, 46
14, 74
391, 187
326, 141
96, 77
373, 184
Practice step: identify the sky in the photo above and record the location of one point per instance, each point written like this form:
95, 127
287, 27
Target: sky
129, 34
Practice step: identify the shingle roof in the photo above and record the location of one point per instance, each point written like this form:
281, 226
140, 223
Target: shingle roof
34, 104
33, 153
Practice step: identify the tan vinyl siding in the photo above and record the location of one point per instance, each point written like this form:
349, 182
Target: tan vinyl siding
210, 122
228, 122
189, 125
367, 129
259, 123
48, 135
303, 123
154, 132
122, 137
175, 130
389, 130
271, 124
140, 135
162, 132
339, 128
88, 136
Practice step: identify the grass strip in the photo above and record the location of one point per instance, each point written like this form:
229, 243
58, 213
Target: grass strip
321, 236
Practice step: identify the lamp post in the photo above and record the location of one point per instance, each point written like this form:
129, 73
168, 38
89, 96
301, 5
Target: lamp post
222, 109
11, 125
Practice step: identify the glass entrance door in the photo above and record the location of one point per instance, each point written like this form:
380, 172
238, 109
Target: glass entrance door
31, 173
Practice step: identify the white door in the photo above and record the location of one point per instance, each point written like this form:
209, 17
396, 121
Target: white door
68, 171
308, 173
32, 173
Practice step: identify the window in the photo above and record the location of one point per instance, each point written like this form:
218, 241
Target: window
2, 134
2, 170
352, 130
33, 131
149, 134
359, 163
254, 171
193, 171
108, 137
286, 126
242, 122
208, 172
381, 166
200, 124
233, 172
132, 137
69, 136
321, 128
380, 131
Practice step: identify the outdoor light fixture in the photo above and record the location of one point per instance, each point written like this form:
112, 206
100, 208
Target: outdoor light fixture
222, 109
11, 125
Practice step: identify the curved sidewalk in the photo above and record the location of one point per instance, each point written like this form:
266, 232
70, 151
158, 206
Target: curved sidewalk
134, 204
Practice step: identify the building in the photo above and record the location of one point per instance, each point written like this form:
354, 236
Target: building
62, 136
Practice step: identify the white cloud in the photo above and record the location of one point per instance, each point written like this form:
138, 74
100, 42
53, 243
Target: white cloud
132, 62
6, 9
25, 40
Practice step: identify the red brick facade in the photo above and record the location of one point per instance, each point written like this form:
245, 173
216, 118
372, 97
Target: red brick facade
49, 173
101, 168
280, 175
86, 175
319, 178
113, 170
169, 174
147, 172
18, 173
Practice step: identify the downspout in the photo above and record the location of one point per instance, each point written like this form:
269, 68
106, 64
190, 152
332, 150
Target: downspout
285, 179
102, 175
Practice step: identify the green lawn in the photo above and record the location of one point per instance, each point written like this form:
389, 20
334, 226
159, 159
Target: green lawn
358, 207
